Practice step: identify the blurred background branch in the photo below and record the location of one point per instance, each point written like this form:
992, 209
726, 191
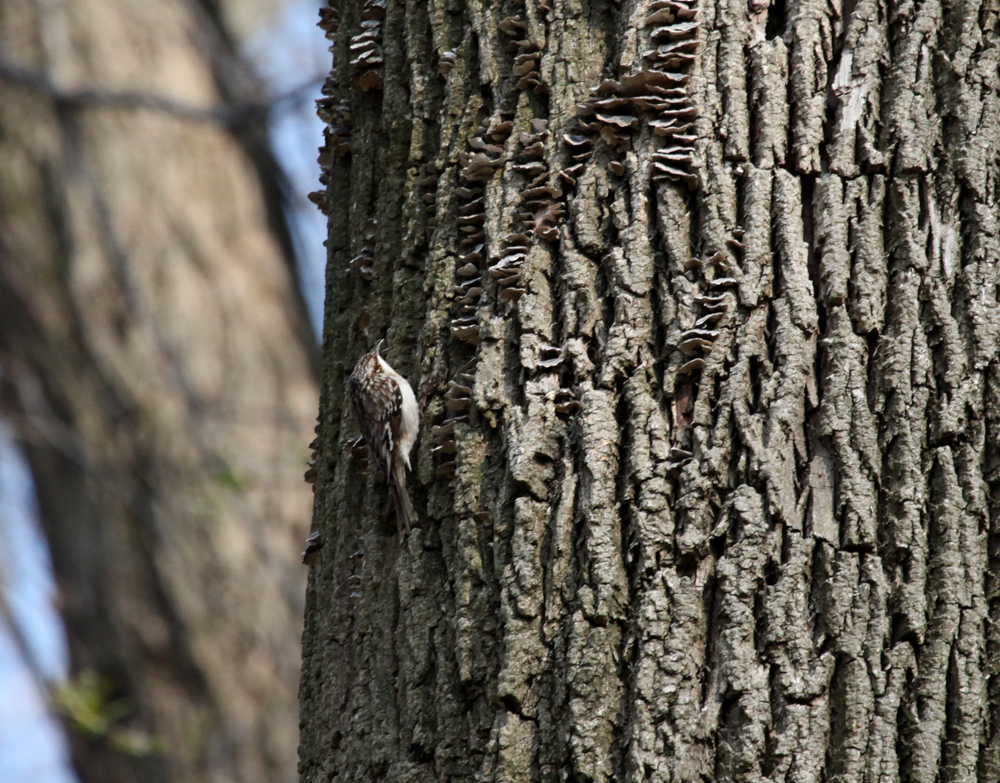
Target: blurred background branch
232, 115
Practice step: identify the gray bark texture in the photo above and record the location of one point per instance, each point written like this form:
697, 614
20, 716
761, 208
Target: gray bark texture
708, 486
158, 366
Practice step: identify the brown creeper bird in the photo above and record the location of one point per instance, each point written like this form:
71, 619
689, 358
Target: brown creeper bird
387, 415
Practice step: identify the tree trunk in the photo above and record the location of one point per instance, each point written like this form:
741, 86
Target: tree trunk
707, 482
157, 361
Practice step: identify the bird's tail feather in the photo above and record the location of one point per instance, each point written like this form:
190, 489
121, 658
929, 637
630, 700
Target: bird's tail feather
404, 508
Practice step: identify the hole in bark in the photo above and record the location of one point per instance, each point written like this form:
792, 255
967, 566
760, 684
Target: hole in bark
687, 565
902, 632
594, 353
775, 20
729, 710
420, 754
771, 573
486, 110
511, 703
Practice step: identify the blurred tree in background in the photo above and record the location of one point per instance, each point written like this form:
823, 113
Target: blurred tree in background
160, 373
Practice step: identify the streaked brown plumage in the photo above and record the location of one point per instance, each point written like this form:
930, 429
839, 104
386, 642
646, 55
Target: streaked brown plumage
386, 411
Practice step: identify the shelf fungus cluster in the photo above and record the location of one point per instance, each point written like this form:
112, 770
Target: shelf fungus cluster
564, 401
458, 401
580, 148
337, 141
507, 271
447, 62
364, 262
678, 458
698, 341
366, 47
318, 457
334, 112
541, 210
527, 54
673, 29
429, 184
659, 94
484, 157
539, 217
314, 543
552, 358
329, 21
312, 467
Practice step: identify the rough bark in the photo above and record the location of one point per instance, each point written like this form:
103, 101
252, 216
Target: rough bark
158, 365
707, 481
